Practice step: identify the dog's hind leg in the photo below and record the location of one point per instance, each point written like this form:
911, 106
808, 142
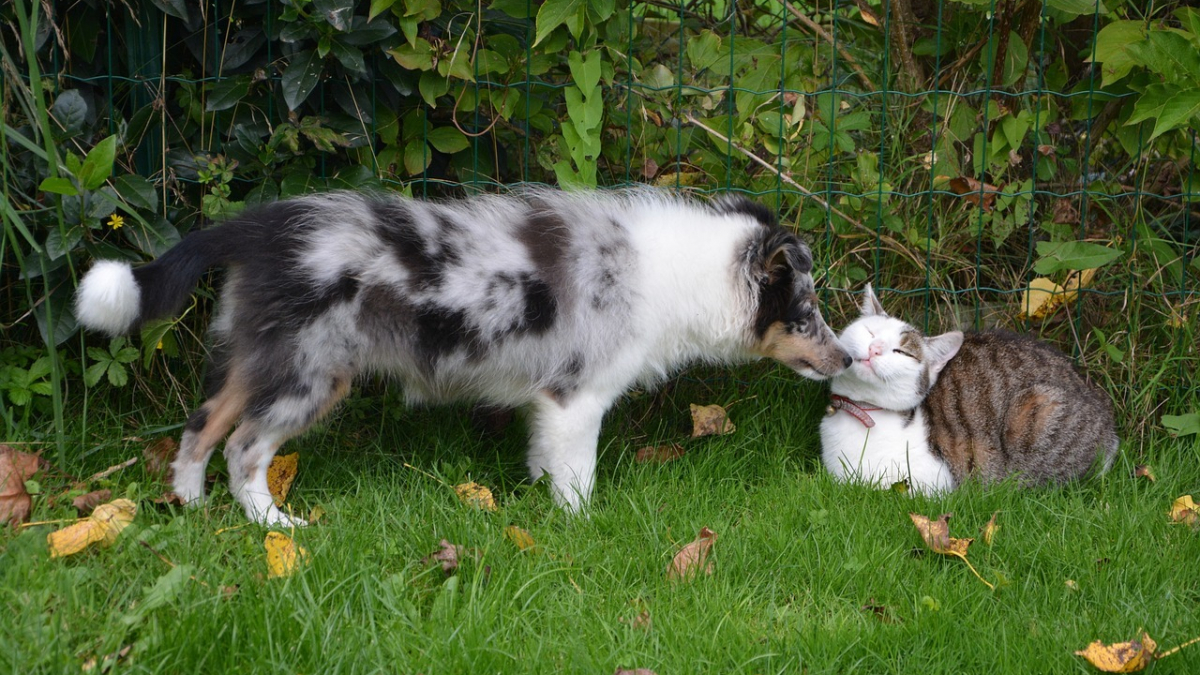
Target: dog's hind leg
204, 429
251, 447
563, 440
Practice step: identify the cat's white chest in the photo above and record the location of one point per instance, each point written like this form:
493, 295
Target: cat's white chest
893, 450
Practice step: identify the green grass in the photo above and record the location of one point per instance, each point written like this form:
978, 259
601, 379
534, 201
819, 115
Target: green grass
796, 560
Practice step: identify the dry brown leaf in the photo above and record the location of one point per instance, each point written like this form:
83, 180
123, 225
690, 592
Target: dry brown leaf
936, 535
649, 168
108, 662
316, 514
280, 475
103, 526
633, 671
1065, 213
447, 555
710, 420
1122, 657
520, 537
1046, 150
284, 556
85, 504
474, 494
1183, 510
1144, 471
989, 530
159, 455
979, 194
15, 468
881, 612
659, 454
693, 558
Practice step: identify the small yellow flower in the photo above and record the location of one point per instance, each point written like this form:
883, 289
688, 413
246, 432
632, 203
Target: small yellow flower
159, 345
116, 222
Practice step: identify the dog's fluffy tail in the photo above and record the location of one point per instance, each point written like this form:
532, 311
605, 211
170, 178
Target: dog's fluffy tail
115, 298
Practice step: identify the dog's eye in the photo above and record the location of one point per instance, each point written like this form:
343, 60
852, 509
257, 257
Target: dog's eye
904, 353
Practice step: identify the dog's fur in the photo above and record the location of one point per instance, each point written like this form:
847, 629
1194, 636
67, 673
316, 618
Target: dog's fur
552, 301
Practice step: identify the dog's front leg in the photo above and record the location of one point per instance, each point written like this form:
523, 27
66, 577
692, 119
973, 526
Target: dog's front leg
563, 442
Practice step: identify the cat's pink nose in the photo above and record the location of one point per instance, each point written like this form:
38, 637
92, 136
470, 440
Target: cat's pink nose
874, 350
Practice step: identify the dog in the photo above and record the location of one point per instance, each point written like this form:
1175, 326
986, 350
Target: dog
551, 301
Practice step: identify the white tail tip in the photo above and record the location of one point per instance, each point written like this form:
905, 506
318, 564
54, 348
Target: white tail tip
108, 298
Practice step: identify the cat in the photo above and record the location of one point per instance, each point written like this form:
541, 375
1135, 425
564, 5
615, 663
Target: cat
936, 411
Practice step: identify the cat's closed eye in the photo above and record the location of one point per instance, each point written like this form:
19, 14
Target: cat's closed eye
904, 353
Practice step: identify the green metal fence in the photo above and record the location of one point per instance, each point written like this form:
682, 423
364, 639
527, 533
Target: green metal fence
953, 152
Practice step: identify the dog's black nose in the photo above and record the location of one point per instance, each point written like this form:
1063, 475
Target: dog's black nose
846, 360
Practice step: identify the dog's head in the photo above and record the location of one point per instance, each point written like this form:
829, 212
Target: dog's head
788, 325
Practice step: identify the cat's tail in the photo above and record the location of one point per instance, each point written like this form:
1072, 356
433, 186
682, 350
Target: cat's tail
115, 298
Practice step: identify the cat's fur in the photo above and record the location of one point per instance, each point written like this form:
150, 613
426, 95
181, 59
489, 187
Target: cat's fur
546, 300
988, 405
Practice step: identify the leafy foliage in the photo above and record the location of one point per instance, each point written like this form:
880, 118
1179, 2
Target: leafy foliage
860, 125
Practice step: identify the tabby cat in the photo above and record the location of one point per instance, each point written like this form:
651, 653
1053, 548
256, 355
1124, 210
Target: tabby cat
938, 410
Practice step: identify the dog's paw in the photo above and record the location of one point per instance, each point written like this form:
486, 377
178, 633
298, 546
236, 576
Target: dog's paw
274, 518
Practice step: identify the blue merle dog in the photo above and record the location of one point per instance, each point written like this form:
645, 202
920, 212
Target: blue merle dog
550, 301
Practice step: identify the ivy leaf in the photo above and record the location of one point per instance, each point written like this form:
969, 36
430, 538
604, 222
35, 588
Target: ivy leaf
417, 157
448, 140
70, 110
704, 49
227, 92
1113, 48
554, 13
585, 70
300, 77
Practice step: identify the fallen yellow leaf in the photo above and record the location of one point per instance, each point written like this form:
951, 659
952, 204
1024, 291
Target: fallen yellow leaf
103, 526
936, 535
1039, 299
693, 558
1044, 296
1183, 510
710, 420
474, 494
989, 530
284, 556
520, 537
1122, 657
280, 475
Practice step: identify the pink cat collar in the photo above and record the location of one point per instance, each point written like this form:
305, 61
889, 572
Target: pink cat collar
853, 407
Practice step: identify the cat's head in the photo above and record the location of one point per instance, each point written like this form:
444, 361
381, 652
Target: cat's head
894, 364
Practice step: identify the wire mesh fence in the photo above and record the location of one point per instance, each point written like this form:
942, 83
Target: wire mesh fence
1025, 163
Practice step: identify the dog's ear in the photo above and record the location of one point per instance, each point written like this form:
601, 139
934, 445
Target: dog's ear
785, 255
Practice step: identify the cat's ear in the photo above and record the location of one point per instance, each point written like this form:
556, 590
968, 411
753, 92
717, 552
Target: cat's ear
870, 304
939, 350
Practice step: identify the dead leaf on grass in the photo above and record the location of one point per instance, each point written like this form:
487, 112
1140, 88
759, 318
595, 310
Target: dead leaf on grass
936, 535
280, 475
633, 671
316, 514
1183, 510
982, 195
520, 537
659, 454
284, 556
1144, 471
168, 498
159, 455
990, 530
15, 468
1121, 657
103, 526
474, 494
710, 420
87, 503
881, 612
447, 555
693, 558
